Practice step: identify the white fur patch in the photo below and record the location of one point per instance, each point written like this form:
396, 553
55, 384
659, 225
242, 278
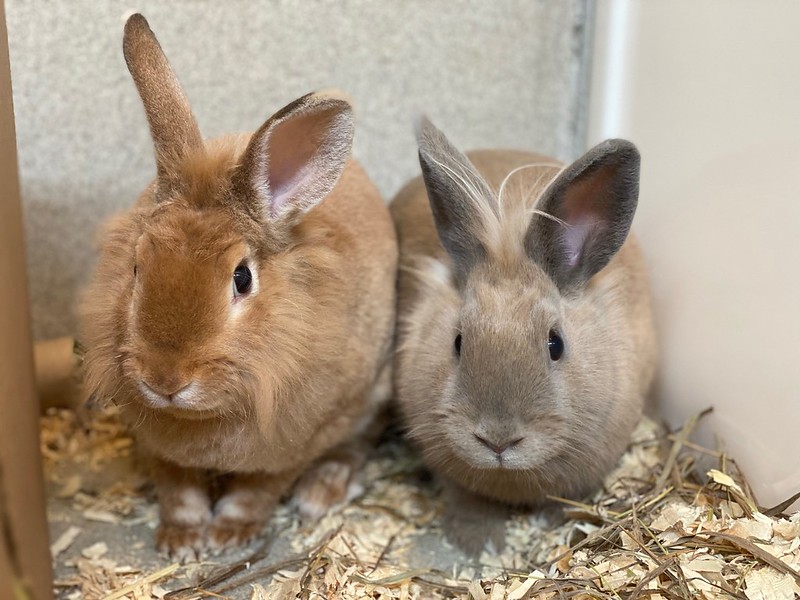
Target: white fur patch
193, 508
184, 398
229, 507
317, 495
156, 400
438, 271
379, 396
381, 392
188, 396
355, 489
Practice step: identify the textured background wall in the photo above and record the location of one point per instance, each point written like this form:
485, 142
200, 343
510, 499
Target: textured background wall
507, 73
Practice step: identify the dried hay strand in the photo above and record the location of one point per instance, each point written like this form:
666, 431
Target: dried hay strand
662, 527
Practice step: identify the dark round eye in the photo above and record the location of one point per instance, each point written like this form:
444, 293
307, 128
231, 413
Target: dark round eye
556, 345
458, 345
242, 280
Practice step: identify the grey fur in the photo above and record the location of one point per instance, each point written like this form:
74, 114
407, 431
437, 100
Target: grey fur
469, 268
456, 193
614, 201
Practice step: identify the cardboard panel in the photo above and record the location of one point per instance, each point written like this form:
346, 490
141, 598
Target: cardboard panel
25, 570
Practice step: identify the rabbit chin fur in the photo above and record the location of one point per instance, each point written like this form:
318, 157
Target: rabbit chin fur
566, 422
277, 377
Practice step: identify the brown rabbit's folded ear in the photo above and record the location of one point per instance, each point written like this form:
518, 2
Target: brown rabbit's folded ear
295, 159
172, 124
593, 202
461, 201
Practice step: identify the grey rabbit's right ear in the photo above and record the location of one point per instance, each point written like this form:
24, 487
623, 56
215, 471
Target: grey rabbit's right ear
593, 202
458, 195
172, 125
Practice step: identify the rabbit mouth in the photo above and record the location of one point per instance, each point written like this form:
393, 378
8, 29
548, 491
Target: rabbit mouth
488, 461
186, 401
501, 465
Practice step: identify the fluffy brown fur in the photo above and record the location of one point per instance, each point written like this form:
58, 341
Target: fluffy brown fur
232, 397
500, 420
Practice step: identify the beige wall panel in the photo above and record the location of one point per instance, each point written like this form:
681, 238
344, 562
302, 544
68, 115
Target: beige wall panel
709, 90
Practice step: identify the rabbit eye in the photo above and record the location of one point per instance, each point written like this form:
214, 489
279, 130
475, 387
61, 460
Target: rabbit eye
242, 280
556, 345
457, 345
135, 270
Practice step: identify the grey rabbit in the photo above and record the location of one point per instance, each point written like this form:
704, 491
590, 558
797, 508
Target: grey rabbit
526, 343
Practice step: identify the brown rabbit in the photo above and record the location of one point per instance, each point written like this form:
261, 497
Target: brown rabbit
526, 343
242, 312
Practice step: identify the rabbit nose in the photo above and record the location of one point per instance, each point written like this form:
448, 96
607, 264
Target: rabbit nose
498, 448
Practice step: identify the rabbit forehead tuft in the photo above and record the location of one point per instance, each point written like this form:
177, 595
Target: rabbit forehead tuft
517, 197
202, 176
494, 298
199, 235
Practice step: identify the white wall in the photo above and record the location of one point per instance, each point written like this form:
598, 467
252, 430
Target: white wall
710, 91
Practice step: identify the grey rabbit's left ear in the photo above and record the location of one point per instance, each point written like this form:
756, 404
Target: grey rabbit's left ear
593, 202
458, 195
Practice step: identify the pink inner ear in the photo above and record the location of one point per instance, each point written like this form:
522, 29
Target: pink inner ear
284, 186
301, 158
293, 146
579, 230
585, 207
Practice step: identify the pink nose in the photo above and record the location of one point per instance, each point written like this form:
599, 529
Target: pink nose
498, 447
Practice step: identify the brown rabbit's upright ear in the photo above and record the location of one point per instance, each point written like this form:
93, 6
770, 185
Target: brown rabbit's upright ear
460, 199
593, 202
295, 159
172, 124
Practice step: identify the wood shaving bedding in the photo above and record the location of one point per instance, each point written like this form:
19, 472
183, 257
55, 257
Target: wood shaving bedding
661, 528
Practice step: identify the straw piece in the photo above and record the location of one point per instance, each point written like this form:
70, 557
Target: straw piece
152, 578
